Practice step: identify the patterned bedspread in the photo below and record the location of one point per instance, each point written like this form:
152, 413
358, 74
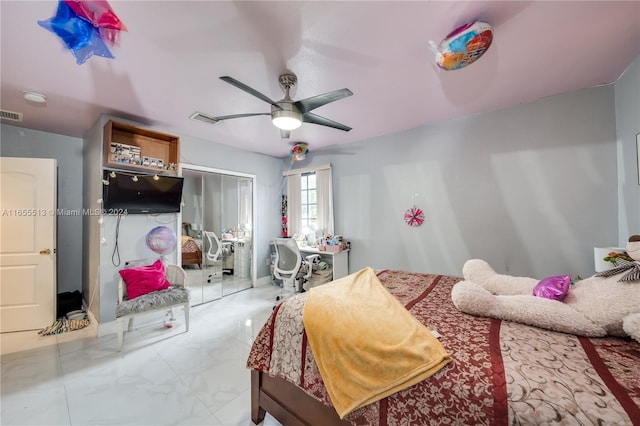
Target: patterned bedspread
189, 245
502, 373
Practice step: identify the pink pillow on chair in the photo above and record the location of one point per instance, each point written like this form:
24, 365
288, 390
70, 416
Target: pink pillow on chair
144, 279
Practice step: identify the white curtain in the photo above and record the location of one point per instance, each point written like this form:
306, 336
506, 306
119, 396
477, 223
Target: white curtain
294, 205
245, 201
325, 200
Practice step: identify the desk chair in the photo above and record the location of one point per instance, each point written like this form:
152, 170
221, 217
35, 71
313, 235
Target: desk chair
175, 296
289, 266
216, 250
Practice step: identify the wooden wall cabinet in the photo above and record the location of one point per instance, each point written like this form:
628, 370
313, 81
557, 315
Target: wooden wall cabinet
138, 149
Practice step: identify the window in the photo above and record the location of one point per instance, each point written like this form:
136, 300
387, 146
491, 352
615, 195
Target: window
309, 201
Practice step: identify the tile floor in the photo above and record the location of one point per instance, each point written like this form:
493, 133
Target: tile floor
163, 376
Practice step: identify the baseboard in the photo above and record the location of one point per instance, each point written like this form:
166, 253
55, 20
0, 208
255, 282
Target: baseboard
107, 328
104, 328
266, 280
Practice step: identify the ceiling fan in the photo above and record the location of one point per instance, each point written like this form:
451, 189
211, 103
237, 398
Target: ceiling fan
287, 114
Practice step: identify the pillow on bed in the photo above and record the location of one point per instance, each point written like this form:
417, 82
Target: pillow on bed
553, 287
144, 279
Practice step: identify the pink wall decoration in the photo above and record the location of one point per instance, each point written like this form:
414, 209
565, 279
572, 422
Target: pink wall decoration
414, 217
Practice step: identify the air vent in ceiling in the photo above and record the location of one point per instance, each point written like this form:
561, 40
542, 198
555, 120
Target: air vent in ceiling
198, 116
10, 115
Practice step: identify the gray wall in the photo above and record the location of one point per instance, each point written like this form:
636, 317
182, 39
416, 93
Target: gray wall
19, 142
627, 91
133, 228
82, 265
530, 189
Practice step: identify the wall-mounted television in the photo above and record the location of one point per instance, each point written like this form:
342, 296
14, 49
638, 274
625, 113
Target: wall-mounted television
129, 193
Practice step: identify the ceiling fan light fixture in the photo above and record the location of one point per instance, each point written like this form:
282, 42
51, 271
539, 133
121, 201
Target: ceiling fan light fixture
287, 114
286, 119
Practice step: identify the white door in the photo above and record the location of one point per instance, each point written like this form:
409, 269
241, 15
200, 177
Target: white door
27, 243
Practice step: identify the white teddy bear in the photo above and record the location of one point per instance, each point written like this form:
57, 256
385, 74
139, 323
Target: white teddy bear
595, 306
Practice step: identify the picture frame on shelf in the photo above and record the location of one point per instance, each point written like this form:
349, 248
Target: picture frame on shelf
130, 147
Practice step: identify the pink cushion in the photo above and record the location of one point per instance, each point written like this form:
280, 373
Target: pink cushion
553, 287
144, 279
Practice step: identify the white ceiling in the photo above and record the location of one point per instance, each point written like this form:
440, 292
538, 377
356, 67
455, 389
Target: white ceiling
168, 63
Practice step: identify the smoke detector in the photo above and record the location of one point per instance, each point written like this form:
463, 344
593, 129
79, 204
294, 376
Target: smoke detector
34, 97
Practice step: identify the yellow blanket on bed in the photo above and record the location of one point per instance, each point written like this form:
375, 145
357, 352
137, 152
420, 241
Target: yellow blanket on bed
366, 344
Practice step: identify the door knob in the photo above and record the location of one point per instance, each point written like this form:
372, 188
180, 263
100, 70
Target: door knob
45, 251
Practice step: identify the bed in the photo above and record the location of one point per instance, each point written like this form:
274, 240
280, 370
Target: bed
191, 246
501, 373
191, 251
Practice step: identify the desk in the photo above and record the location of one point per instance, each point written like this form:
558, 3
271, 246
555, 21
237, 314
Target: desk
241, 256
339, 261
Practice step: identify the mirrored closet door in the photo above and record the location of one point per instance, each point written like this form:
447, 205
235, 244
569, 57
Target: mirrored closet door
217, 230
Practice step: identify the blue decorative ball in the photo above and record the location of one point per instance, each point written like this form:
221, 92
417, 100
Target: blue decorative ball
161, 240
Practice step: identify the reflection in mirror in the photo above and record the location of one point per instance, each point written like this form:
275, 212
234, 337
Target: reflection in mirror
204, 282
217, 218
237, 196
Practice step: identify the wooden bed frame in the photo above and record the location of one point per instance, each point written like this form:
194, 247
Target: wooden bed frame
191, 258
287, 403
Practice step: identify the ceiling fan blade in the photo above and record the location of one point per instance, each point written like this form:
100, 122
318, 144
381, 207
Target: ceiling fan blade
232, 81
284, 134
316, 119
309, 104
227, 117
